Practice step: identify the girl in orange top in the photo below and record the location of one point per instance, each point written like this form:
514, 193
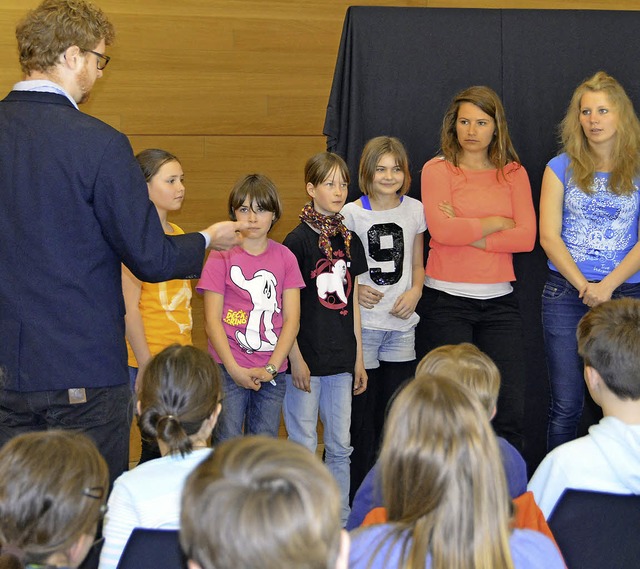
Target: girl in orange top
479, 211
157, 314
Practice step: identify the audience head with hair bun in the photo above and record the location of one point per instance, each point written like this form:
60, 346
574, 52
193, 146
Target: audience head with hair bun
179, 401
262, 502
53, 486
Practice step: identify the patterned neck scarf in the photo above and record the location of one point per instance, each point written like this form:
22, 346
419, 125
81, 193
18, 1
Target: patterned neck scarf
328, 226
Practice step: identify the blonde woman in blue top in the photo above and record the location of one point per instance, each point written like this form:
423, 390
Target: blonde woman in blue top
589, 208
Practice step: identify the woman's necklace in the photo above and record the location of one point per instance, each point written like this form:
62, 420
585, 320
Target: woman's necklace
482, 165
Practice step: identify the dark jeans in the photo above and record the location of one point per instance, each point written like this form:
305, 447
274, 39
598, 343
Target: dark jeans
495, 326
561, 312
368, 414
105, 417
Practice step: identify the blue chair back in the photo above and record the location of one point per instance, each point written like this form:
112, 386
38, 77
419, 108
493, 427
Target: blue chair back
596, 529
152, 549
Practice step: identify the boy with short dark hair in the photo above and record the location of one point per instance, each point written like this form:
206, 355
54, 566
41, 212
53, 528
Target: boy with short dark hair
608, 458
327, 364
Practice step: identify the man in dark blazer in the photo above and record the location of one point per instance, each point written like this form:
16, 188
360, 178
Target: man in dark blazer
73, 207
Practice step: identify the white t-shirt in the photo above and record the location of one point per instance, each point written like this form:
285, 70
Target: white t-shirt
388, 237
147, 496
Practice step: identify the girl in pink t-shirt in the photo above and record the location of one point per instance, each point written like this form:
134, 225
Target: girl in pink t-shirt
252, 313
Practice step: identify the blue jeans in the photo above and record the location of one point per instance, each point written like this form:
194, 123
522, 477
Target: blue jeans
561, 312
387, 346
331, 397
105, 416
247, 411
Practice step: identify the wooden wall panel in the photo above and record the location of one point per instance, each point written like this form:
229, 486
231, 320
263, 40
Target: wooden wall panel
229, 67
538, 4
230, 86
213, 164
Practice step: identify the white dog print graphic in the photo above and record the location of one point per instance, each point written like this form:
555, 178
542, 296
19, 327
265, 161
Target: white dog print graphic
262, 289
333, 282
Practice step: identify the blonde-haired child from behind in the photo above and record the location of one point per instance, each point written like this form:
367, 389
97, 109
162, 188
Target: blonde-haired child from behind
466, 364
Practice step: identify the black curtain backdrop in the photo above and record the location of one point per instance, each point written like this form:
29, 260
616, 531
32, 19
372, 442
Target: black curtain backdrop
398, 69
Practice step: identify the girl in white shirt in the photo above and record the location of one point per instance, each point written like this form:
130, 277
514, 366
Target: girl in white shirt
179, 404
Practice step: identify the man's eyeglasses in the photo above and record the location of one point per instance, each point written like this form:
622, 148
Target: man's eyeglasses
103, 60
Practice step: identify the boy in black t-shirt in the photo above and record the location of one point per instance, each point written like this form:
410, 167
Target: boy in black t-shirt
326, 359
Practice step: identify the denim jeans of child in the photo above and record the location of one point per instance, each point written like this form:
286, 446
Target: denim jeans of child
249, 412
330, 397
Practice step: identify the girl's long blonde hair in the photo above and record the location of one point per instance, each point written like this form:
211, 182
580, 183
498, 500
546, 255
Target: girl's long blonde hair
626, 151
443, 482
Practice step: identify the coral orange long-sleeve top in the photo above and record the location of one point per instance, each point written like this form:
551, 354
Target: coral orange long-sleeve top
475, 194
